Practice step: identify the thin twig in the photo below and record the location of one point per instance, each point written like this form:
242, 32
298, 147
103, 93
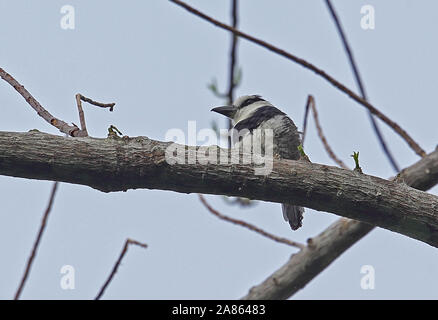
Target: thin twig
233, 58
310, 104
116, 266
249, 226
71, 130
418, 150
79, 99
360, 84
98, 104
61, 125
81, 114
37, 242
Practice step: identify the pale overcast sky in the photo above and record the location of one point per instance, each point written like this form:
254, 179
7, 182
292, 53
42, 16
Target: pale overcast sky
155, 60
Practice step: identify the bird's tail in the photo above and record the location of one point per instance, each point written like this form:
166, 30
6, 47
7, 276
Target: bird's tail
293, 214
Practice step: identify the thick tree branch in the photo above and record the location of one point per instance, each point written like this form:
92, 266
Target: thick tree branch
322, 250
306, 264
118, 164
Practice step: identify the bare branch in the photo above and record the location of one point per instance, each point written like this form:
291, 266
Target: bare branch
305, 265
117, 164
250, 226
330, 244
233, 58
310, 104
79, 99
81, 114
232, 84
97, 104
71, 130
414, 145
117, 264
37, 242
61, 125
360, 85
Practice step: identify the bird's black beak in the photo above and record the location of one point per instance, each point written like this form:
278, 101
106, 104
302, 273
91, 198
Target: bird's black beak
228, 111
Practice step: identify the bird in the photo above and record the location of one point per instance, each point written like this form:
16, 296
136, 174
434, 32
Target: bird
252, 112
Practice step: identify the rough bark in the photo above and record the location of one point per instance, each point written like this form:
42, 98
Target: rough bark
130, 163
322, 250
305, 265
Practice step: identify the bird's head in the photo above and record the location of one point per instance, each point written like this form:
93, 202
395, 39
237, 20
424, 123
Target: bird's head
242, 108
